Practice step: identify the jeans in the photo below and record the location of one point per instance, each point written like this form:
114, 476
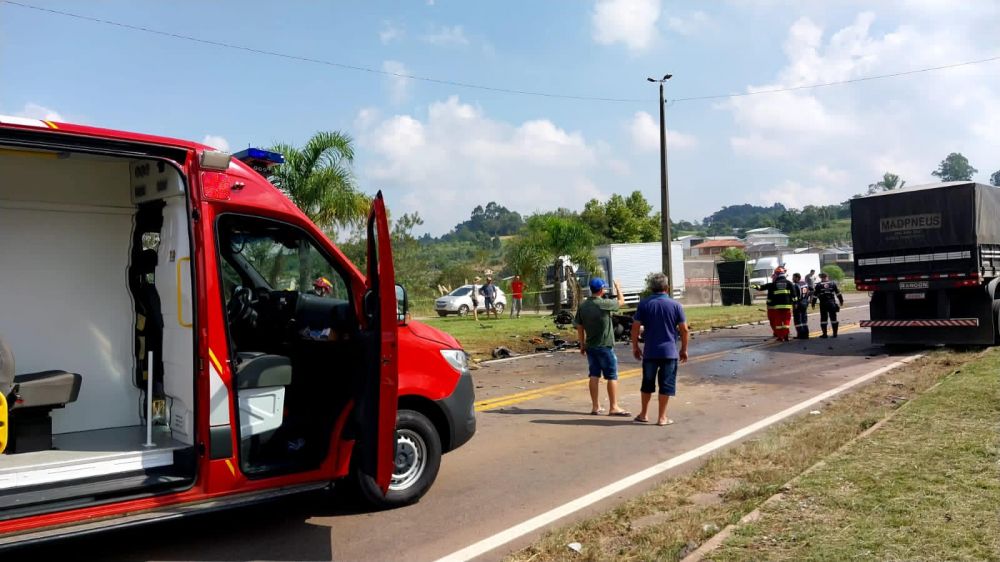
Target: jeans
603, 360
515, 307
662, 371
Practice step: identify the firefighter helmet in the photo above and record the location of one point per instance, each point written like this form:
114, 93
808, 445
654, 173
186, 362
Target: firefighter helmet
323, 286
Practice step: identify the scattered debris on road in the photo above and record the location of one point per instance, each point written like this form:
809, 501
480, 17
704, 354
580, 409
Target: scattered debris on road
502, 352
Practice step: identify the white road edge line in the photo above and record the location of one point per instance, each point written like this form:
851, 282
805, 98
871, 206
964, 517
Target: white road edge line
488, 544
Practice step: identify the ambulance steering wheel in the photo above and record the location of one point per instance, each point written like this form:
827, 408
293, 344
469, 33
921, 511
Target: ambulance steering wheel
240, 310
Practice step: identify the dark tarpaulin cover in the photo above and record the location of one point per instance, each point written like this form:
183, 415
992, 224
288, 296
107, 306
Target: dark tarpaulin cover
987, 214
920, 218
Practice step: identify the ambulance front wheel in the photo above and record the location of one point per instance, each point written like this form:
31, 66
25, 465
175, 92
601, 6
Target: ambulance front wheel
417, 460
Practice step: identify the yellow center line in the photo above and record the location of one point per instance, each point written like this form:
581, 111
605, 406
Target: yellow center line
518, 397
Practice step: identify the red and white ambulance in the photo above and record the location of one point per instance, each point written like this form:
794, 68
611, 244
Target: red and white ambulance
176, 336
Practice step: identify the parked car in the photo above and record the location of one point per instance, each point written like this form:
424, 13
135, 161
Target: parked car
459, 301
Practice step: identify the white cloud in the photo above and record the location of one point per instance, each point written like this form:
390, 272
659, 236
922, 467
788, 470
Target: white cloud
790, 112
390, 32
399, 86
830, 176
216, 142
692, 24
756, 146
645, 131
36, 111
632, 22
457, 157
445, 36
860, 131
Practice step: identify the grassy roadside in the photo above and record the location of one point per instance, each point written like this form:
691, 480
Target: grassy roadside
926, 485
523, 334
480, 338
675, 518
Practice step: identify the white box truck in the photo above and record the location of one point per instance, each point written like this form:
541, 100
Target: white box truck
630, 264
793, 263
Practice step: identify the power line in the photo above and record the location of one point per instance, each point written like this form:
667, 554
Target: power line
840, 82
321, 61
470, 85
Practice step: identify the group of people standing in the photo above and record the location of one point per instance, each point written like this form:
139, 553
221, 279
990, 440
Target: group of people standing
663, 326
788, 300
665, 342
489, 293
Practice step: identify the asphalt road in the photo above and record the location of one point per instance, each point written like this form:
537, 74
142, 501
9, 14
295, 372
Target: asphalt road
537, 447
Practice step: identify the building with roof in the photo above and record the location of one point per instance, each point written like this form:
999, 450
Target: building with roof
767, 235
692, 240
715, 247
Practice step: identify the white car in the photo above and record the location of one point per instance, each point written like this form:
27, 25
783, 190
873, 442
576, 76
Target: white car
459, 301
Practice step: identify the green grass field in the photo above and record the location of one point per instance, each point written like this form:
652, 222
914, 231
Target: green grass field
523, 335
924, 486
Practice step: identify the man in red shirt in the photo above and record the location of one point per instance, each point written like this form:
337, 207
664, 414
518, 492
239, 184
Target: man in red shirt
517, 292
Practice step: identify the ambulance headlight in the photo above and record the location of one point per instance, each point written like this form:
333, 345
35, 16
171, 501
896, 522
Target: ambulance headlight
457, 359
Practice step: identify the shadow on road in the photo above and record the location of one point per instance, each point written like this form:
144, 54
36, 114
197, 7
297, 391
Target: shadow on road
535, 411
590, 420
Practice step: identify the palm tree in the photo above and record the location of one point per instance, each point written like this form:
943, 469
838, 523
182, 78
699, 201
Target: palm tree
888, 182
318, 178
544, 240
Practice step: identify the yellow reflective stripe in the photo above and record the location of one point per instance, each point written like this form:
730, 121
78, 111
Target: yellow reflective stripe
215, 361
3, 422
782, 292
781, 306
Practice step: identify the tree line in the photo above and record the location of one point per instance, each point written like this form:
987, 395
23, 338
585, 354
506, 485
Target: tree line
319, 179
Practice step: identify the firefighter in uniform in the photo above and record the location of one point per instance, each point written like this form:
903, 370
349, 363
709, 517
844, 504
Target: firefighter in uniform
830, 299
800, 312
781, 296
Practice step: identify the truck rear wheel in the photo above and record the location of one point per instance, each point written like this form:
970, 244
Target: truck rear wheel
417, 460
996, 322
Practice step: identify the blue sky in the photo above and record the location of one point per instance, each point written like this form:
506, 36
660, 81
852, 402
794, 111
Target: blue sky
440, 150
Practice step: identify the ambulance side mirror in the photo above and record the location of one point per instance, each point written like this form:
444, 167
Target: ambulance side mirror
402, 305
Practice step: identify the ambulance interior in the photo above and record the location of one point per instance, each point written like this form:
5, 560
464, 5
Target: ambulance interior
95, 276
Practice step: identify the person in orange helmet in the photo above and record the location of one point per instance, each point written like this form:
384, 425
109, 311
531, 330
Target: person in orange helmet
322, 286
782, 294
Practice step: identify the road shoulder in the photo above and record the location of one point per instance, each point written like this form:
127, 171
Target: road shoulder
924, 486
677, 516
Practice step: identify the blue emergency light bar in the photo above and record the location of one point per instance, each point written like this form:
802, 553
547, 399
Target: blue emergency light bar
260, 155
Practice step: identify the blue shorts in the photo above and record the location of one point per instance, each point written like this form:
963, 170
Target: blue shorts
662, 371
603, 360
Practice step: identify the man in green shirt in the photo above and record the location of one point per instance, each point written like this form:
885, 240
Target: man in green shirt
597, 340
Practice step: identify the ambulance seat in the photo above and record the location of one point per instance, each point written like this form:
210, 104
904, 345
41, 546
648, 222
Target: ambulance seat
31, 397
260, 382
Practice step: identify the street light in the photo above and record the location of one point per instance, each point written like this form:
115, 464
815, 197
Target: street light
668, 267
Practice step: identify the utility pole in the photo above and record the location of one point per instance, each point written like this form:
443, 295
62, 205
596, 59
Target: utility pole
668, 266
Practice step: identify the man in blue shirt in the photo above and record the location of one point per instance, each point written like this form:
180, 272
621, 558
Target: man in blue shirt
664, 323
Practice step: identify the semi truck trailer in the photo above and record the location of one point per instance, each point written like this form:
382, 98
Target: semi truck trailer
929, 256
